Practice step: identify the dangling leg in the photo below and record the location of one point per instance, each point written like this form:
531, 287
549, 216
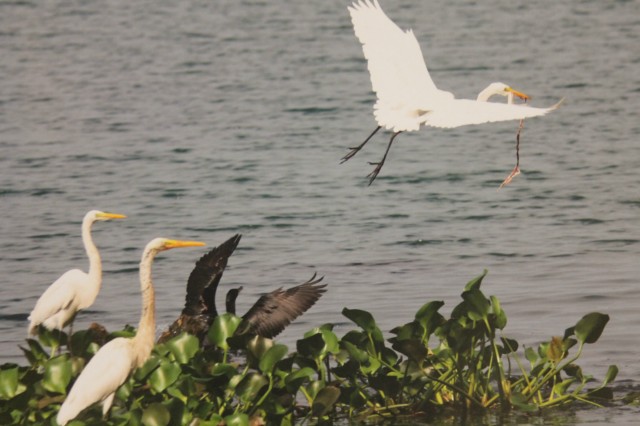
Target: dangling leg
355, 150
516, 170
372, 176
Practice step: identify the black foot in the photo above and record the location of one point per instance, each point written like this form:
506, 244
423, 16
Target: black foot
354, 151
374, 174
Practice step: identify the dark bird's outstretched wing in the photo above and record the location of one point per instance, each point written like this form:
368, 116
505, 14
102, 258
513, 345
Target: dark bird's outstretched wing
274, 311
199, 308
205, 277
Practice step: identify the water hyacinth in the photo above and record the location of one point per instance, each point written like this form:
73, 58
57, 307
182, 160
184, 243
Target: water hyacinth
431, 366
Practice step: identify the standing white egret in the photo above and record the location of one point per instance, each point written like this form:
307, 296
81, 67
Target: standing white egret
75, 289
406, 96
112, 364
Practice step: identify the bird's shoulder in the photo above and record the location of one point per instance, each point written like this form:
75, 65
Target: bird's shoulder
71, 278
61, 293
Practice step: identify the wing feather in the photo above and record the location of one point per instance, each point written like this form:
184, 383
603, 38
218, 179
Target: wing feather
205, 277
61, 295
461, 112
103, 375
274, 311
399, 74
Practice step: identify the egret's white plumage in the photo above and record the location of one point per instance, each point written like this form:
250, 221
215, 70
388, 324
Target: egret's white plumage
112, 364
406, 95
75, 289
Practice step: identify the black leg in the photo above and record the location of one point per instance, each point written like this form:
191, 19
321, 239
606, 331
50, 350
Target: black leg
516, 170
372, 176
355, 150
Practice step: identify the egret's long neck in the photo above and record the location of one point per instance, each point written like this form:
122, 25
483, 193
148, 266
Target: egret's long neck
485, 94
95, 264
145, 337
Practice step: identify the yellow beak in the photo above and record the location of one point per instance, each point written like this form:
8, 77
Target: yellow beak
518, 94
111, 215
170, 244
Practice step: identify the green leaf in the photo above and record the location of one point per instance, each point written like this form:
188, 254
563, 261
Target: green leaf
475, 283
500, 315
8, 382
52, 338
521, 402
223, 327
221, 369
312, 346
612, 372
355, 352
164, 376
561, 388
257, 347
35, 354
330, 340
156, 414
428, 316
238, 419
325, 400
250, 385
601, 393
574, 370
510, 345
412, 348
477, 302
271, 357
183, 347
361, 318
294, 380
590, 327
151, 364
57, 374
177, 412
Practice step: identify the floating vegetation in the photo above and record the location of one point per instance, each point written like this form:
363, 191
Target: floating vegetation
433, 367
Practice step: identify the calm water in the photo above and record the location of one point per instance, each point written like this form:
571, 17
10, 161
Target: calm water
200, 119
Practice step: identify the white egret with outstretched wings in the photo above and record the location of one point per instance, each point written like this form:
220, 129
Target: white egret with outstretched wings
407, 97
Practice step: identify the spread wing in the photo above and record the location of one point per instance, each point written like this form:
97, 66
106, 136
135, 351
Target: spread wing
461, 112
399, 74
274, 311
205, 277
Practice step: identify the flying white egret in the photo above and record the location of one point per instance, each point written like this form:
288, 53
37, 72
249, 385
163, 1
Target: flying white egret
406, 95
75, 289
112, 364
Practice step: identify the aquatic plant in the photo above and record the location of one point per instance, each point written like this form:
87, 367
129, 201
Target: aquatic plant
432, 366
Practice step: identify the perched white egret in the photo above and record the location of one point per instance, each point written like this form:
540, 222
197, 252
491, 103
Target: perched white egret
112, 364
406, 95
75, 289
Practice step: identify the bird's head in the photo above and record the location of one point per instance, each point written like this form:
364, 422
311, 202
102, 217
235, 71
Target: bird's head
162, 244
98, 215
502, 90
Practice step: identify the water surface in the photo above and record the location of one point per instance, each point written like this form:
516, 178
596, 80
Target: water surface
203, 119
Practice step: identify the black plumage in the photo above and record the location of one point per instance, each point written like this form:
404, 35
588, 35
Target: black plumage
199, 312
275, 310
267, 317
